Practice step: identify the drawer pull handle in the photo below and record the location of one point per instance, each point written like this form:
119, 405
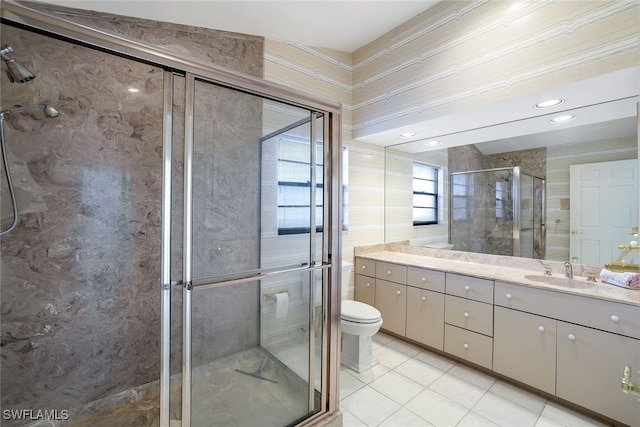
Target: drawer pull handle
368, 284
466, 346
423, 298
615, 318
466, 315
467, 287
364, 267
540, 328
571, 337
508, 296
388, 272
398, 292
424, 279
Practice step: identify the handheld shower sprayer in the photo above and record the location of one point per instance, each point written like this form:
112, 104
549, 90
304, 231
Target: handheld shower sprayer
50, 112
16, 72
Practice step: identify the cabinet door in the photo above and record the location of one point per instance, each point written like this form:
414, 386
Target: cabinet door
391, 300
425, 317
524, 348
365, 289
590, 367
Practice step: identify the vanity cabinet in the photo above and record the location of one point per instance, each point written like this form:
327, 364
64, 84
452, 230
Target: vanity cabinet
589, 371
425, 316
365, 289
391, 301
524, 348
572, 346
468, 318
543, 337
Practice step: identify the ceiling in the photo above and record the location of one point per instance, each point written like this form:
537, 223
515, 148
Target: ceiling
344, 25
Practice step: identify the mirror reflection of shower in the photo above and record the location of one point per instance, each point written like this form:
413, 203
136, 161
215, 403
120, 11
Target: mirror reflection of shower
17, 73
49, 112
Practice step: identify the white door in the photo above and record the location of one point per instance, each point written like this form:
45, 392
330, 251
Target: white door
604, 209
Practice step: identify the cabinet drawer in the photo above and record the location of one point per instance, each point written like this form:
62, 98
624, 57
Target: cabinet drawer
366, 267
470, 287
365, 289
391, 272
465, 313
608, 316
475, 348
425, 317
391, 300
425, 279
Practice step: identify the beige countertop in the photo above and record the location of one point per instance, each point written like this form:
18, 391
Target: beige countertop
598, 290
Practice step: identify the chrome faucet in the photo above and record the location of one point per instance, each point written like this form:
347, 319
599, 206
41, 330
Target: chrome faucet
568, 267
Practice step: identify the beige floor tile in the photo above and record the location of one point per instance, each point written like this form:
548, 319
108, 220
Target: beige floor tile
436, 360
474, 420
370, 406
458, 390
389, 357
517, 395
370, 374
420, 372
349, 384
562, 416
504, 412
473, 376
436, 409
405, 418
396, 387
350, 420
404, 347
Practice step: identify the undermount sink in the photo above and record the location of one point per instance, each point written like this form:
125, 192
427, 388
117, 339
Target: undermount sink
564, 282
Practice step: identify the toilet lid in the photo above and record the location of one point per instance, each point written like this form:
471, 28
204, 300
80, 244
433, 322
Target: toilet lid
354, 311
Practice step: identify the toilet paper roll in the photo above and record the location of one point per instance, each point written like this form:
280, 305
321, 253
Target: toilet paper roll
282, 304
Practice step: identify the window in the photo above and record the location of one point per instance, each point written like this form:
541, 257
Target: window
294, 186
501, 199
460, 193
425, 194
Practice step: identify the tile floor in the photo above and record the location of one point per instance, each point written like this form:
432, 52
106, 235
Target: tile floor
414, 387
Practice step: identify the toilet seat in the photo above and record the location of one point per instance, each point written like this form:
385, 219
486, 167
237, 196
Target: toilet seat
357, 312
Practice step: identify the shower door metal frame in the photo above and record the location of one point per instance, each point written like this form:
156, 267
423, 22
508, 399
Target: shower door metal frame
43, 18
331, 246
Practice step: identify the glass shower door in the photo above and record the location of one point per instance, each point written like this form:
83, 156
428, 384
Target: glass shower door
252, 261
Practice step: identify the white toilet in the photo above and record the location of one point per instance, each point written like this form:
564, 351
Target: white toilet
359, 323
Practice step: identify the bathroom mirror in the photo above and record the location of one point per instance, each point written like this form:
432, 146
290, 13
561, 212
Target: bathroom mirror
601, 132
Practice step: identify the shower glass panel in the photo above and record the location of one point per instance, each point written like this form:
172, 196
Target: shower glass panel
251, 317
497, 211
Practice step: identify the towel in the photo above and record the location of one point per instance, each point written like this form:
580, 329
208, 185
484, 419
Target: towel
625, 280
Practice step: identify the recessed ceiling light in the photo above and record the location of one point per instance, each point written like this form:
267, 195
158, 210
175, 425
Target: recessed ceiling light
550, 103
562, 119
432, 142
133, 90
408, 134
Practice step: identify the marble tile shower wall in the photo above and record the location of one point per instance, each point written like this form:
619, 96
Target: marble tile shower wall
81, 273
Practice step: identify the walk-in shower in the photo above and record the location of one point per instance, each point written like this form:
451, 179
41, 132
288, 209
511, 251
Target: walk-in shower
49, 112
173, 262
498, 211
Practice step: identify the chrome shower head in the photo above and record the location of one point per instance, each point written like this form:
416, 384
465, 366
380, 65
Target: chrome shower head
50, 112
16, 72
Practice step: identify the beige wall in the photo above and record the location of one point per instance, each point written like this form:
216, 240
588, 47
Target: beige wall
457, 56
